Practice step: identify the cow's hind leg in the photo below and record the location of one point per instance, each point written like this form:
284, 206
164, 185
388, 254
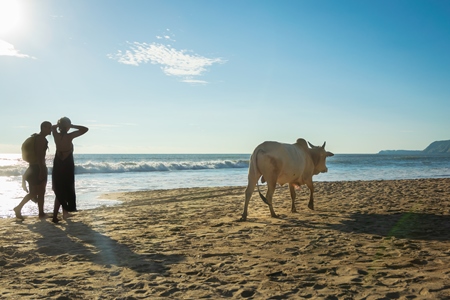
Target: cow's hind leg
269, 196
248, 194
293, 195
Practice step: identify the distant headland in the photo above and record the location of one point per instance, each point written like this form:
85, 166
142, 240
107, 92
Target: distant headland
437, 147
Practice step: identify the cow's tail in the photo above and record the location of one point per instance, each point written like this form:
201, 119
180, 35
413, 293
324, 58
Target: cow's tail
261, 195
262, 180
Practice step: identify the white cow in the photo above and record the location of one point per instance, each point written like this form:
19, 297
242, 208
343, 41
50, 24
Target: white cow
284, 163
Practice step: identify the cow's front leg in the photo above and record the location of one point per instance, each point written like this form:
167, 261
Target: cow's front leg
293, 195
311, 195
311, 201
269, 197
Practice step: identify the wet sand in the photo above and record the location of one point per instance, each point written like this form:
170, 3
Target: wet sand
365, 240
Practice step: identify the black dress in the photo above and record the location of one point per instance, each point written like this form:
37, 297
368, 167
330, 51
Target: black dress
63, 182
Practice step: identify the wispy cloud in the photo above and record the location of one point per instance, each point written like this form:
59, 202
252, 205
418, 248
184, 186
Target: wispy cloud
96, 125
7, 49
190, 80
167, 36
180, 63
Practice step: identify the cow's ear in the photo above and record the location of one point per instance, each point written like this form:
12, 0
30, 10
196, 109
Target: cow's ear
323, 146
329, 153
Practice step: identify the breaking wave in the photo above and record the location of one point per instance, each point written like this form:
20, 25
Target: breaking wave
144, 166
123, 167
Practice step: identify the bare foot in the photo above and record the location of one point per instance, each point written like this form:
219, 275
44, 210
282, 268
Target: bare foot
18, 213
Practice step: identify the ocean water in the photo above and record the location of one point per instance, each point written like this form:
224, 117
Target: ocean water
97, 174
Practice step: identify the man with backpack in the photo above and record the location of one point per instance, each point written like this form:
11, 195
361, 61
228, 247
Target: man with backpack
33, 151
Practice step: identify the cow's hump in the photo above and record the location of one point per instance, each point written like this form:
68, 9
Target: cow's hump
302, 144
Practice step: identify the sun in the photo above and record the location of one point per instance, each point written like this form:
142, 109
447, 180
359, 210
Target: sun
10, 15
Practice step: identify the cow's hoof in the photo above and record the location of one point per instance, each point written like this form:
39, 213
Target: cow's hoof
275, 216
242, 219
311, 207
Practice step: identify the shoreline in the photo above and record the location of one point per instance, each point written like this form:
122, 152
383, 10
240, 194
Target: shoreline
366, 239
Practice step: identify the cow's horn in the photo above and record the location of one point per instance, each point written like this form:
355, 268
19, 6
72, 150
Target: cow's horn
311, 145
323, 146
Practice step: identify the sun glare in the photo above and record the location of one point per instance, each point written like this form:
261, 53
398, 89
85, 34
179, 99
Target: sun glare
10, 15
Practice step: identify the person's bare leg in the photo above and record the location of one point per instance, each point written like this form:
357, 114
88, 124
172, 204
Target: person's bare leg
40, 200
32, 194
66, 214
55, 211
18, 208
40, 203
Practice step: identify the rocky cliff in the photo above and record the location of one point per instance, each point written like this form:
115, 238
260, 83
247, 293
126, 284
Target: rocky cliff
437, 147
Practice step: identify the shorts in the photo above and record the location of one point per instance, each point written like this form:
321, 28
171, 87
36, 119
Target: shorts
33, 175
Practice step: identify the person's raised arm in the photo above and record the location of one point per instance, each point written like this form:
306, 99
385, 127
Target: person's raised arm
54, 129
80, 130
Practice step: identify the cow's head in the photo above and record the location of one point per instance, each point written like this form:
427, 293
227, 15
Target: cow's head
319, 155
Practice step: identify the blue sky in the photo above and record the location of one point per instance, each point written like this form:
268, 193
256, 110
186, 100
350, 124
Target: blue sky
209, 76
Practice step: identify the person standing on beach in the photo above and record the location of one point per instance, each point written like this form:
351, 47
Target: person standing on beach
63, 174
36, 174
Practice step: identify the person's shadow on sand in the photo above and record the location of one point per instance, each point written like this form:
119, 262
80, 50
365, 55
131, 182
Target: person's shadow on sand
83, 243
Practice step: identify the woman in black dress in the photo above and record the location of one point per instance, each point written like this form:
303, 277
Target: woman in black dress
63, 174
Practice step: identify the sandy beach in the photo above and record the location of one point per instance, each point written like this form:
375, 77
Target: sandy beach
365, 240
